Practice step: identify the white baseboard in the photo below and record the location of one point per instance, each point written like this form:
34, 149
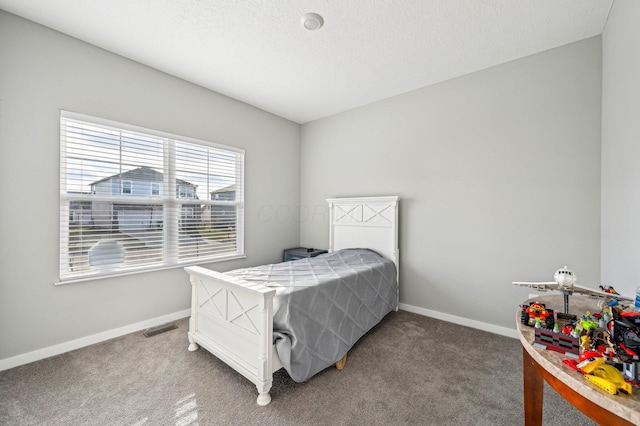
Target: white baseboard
503, 331
58, 349
50, 351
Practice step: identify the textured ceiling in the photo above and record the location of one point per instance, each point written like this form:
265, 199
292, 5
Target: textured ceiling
258, 52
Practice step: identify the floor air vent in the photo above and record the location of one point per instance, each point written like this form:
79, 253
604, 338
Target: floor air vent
159, 329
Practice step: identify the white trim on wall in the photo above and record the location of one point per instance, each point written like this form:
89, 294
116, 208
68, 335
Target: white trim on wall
503, 331
61, 348
71, 345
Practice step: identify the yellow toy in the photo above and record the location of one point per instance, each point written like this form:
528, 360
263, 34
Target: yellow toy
604, 376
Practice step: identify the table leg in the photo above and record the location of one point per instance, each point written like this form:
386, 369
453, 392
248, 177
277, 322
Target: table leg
533, 391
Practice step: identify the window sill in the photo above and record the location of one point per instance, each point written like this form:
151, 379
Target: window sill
99, 276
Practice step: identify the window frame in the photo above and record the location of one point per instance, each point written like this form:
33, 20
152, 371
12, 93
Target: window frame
168, 198
126, 187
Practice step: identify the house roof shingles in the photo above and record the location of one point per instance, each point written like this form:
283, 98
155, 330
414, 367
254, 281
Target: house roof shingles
143, 174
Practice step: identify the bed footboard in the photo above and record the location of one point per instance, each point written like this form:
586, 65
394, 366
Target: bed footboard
233, 319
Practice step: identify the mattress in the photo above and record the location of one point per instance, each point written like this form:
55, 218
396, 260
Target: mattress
325, 304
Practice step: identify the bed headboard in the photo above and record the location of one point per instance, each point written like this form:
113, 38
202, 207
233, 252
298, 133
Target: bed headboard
365, 222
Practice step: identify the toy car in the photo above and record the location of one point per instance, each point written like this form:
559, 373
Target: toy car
537, 312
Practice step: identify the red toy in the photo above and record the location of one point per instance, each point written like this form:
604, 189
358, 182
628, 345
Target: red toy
537, 312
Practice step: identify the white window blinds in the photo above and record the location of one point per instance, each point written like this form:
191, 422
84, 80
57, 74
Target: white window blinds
137, 199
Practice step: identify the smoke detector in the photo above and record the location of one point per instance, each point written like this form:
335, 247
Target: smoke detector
312, 21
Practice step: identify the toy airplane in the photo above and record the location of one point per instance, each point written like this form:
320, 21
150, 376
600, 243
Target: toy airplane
565, 281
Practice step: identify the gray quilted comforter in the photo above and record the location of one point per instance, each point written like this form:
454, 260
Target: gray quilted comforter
324, 304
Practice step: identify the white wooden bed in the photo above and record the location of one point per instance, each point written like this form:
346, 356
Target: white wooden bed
233, 319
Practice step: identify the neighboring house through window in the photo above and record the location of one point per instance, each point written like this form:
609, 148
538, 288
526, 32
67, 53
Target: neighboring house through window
138, 199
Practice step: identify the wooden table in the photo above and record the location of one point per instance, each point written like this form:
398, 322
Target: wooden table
540, 364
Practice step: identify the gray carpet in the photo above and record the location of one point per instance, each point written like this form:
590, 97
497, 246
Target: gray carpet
409, 370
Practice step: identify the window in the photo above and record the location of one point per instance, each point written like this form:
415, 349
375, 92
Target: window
137, 199
126, 187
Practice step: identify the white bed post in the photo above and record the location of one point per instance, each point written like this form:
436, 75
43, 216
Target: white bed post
396, 245
193, 321
265, 357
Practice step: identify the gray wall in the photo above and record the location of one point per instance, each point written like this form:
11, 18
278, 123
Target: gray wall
621, 147
498, 173
44, 71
